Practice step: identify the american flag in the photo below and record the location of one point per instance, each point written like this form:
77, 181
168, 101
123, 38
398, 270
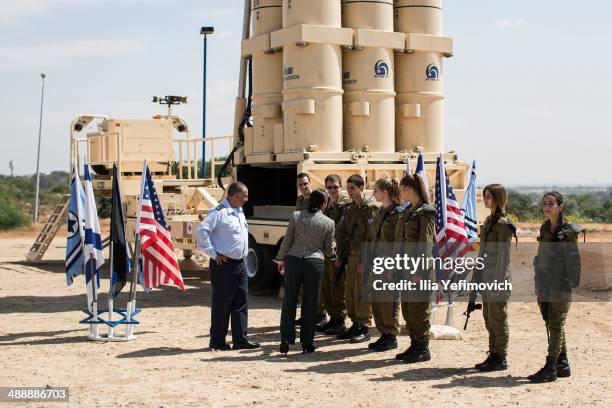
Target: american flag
451, 235
160, 266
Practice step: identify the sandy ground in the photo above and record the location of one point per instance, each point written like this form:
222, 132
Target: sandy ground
41, 343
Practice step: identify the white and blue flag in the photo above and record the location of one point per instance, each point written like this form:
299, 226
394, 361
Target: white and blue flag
92, 250
76, 228
468, 207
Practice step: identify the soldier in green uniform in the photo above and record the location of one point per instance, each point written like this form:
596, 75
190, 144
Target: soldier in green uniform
333, 296
305, 188
416, 233
350, 233
382, 229
495, 244
557, 271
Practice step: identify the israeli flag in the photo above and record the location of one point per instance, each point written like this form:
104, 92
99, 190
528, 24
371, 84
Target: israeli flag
420, 170
92, 250
76, 228
468, 207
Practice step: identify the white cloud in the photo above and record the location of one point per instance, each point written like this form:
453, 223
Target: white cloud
58, 53
542, 112
510, 23
12, 11
223, 12
223, 34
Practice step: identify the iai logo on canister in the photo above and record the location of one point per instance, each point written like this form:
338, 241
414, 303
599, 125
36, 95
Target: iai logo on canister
432, 72
381, 69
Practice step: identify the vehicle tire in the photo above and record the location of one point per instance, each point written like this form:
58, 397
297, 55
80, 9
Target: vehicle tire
261, 269
255, 264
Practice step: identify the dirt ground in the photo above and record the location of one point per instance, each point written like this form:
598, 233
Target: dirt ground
42, 343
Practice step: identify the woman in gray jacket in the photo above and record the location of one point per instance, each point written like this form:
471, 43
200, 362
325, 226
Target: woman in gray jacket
301, 259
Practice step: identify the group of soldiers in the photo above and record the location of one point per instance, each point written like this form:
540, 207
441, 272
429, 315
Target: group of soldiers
360, 219
383, 218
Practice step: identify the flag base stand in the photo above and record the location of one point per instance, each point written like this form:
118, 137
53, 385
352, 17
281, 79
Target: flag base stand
105, 337
444, 331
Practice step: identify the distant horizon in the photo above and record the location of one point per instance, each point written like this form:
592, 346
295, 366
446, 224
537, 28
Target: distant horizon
480, 186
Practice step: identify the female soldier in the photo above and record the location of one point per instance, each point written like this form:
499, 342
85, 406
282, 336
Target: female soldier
416, 232
384, 309
557, 271
495, 237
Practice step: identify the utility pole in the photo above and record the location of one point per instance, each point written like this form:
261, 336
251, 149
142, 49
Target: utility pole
205, 31
42, 99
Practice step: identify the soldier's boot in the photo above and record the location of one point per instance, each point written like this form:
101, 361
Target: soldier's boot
497, 363
373, 345
487, 361
388, 342
563, 367
400, 356
547, 373
347, 334
420, 353
321, 321
322, 327
362, 335
337, 327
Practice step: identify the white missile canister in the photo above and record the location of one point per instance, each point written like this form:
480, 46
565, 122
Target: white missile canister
267, 76
312, 76
368, 80
419, 80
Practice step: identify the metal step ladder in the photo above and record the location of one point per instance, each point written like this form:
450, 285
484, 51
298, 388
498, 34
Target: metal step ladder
49, 230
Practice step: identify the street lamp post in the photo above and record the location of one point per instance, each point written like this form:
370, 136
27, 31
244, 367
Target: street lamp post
205, 31
42, 99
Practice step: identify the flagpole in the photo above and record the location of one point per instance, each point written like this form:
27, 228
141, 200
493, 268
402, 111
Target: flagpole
75, 168
111, 302
94, 292
131, 306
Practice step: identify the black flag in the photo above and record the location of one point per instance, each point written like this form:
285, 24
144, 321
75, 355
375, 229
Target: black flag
120, 267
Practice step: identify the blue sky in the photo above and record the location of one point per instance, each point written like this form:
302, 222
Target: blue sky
528, 91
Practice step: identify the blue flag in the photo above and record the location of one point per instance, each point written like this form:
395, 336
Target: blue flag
468, 207
76, 225
420, 170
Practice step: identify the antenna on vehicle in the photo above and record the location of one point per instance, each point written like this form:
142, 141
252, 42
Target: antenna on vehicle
170, 100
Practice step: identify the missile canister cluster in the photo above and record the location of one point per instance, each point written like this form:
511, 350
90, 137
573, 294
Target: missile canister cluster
339, 75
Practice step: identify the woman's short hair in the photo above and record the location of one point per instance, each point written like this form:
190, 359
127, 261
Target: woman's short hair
317, 198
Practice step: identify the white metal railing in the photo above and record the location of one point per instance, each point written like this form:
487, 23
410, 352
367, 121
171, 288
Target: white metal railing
193, 146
